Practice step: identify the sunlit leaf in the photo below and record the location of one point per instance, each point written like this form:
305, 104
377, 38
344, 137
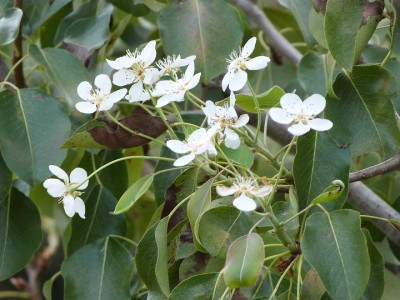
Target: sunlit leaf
9, 25
267, 99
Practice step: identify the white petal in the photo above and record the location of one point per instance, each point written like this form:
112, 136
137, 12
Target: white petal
114, 65
244, 203
194, 81
166, 99
117, 95
299, 129
77, 176
320, 124
211, 149
198, 136
164, 87
106, 105
314, 104
232, 139
86, 107
291, 103
125, 61
60, 173
68, 202
79, 207
248, 48
55, 187
150, 74
257, 63
202, 148
227, 79
209, 109
232, 100
84, 89
185, 61
149, 53
189, 70
178, 146
135, 91
231, 113
124, 77
238, 81
280, 115
263, 191
224, 191
103, 82
184, 160
243, 120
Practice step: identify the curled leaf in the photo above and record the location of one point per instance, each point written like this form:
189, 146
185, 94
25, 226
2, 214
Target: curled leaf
332, 192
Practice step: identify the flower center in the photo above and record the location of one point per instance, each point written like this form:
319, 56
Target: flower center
302, 118
97, 96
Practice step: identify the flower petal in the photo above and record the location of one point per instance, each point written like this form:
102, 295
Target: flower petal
291, 103
103, 82
117, 95
68, 202
86, 107
320, 124
178, 146
248, 48
135, 91
197, 137
211, 149
280, 115
55, 187
299, 129
77, 176
257, 63
84, 89
106, 104
227, 79
166, 99
238, 81
193, 82
243, 120
124, 77
60, 173
263, 191
185, 61
151, 76
224, 191
244, 203
314, 104
114, 64
149, 53
232, 99
189, 70
232, 139
209, 110
184, 160
79, 207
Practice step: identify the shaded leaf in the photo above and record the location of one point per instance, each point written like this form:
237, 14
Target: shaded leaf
29, 139
242, 155
131, 7
267, 99
393, 8
312, 287
311, 73
48, 286
9, 25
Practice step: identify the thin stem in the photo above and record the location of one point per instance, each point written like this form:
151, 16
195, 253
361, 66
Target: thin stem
258, 112
227, 160
273, 245
375, 218
125, 239
299, 267
179, 117
281, 278
14, 294
179, 205
277, 255
16, 64
296, 215
225, 293
193, 96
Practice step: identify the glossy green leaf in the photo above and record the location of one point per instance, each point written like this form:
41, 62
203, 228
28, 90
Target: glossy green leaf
363, 116
133, 194
99, 222
203, 286
151, 260
317, 163
312, 287
337, 238
29, 139
266, 100
9, 25
242, 155
244, 261
209, 29
331, 193
220, 226
20, 229
311, 73
56, 61
100, 270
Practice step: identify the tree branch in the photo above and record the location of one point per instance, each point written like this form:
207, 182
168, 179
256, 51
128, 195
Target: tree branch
273, 37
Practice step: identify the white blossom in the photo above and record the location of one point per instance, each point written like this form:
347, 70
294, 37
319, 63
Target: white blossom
99, 98
302, 116
243, 189
223, 119
136, 68
172, 64
174, 91
199, 142
67, 189
236, 77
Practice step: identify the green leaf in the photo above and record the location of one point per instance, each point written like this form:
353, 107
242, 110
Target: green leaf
312, 287
20, 230
284, 210
331, 193
29, 139
99, 223
203, 286
242, 155
48, 286
336, 247
220, 226
393, 8
317, 163
244, 261
266, 100
151, 260
133, 194
56, 61
363, 116
131, 7
9, 25
311, 73
100, 270
209, 29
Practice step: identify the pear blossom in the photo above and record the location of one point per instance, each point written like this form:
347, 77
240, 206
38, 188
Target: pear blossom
223, 118
99, 98
172, 64
170, 90
302, 116
243, 189
198, 142
236, 77
136, 68
68, 189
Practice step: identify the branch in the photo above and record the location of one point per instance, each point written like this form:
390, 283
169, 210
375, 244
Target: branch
274, 38
18, 51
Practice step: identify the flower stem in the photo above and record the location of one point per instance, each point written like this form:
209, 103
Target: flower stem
258, 112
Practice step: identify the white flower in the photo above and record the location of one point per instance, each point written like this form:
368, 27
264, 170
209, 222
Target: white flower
301, 115
100, 98
67, 189
236, 77
175, 90
136, 68
243, 189
172, 64
223, 118
198, 143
